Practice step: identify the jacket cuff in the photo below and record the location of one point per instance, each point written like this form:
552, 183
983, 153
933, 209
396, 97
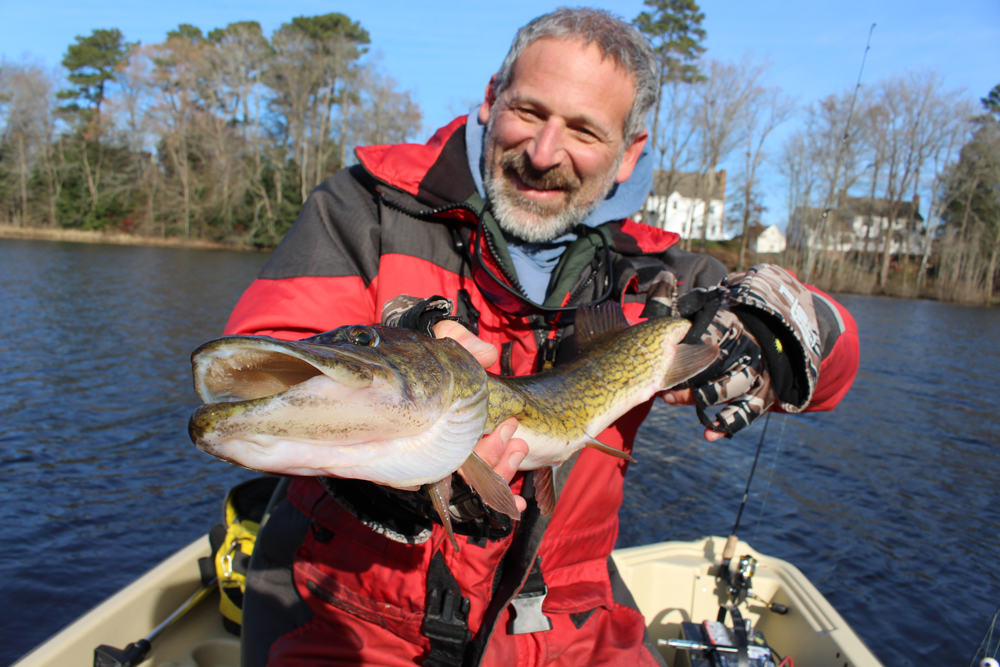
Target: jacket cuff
416, 314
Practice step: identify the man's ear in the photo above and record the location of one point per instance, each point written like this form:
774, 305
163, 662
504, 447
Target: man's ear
632, 153
489, 100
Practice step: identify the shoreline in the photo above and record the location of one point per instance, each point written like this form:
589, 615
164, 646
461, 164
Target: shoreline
834, 286
114, 238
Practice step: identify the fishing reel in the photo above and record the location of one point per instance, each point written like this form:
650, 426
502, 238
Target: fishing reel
739, 580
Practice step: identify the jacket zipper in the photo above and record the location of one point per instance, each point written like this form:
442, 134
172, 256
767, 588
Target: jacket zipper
491, 246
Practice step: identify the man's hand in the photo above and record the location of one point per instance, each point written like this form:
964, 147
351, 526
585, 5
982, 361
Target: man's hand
500, 451
684, 397
737, 380
484, 353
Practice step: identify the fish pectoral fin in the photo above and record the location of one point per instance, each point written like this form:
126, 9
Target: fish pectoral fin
545, 489
440, 493
689, 360
491, 487
610, 451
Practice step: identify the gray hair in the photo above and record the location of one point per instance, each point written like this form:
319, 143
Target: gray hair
616, 39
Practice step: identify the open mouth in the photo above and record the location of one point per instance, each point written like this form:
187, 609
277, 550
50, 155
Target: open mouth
250, 374
243, 369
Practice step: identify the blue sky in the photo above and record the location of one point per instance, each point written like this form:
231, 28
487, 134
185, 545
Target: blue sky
445, 52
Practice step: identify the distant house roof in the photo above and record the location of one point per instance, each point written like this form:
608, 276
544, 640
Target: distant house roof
756, 229
879, 208
684, 183
849, 207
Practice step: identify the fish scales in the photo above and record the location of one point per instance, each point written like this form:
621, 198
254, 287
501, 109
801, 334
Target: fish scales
615, 373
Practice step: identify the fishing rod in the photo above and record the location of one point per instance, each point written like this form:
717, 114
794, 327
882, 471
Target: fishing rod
730, 549
811, 257
739, 577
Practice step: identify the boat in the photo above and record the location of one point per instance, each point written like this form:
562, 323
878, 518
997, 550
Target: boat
678, 587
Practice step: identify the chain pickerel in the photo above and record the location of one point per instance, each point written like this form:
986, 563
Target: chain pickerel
398, 408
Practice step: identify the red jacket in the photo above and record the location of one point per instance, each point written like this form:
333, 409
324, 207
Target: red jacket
391, 226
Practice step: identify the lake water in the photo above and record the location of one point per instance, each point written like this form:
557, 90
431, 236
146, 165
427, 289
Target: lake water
888, 504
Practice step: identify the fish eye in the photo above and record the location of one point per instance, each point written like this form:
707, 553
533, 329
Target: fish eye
364, 337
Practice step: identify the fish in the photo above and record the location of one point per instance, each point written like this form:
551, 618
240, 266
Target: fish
399, 408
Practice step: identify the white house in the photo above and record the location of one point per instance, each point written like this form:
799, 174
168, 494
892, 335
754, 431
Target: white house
769, 240
677, 204
859, 224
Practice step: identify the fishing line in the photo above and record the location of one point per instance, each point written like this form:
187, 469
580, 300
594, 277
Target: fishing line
987, 640
840, 155
767, 489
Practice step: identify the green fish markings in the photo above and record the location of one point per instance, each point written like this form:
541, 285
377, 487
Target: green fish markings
398, 408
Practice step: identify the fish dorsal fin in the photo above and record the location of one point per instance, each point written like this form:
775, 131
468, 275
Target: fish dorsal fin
610, 451
440, 493
545, 489
491, 487
689, 360
594, 322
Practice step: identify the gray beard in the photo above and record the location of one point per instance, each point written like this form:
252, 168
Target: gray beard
525, 219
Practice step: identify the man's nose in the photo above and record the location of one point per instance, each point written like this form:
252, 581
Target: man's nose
548, 150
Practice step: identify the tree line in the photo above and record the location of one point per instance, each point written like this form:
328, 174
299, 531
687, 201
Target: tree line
216, 136
852, 174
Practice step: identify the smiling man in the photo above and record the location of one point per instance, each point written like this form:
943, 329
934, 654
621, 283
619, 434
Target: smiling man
494, 233
556, 137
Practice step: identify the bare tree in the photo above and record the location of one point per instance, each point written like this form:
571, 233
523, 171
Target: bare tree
759, 120
294, 78
972, 241
800, 174
384, 114
916, 113
237, 65
179, 62
676, 130
25, 108
721, 100
836, 154
954, 130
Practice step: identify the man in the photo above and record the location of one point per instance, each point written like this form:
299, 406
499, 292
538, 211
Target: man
348, 572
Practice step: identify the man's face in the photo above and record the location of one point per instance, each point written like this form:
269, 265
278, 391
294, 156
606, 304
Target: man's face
555, 138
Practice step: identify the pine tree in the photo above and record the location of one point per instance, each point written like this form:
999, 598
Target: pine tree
91, 63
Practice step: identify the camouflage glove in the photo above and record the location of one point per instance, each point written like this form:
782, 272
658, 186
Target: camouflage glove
764, 323
410, 312
738, 378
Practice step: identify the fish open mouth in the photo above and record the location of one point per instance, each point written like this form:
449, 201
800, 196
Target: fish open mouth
336, 404
244, 368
